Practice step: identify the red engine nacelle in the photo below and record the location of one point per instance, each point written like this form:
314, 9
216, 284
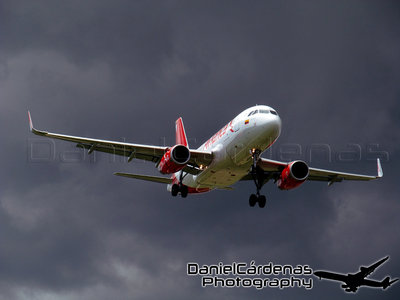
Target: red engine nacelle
174, 160
293, 175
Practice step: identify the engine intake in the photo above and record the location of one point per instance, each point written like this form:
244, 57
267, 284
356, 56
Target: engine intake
294, 174
174, 160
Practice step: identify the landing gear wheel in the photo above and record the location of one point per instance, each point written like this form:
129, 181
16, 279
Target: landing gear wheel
252, 200
262, 201
174, 190
184, 191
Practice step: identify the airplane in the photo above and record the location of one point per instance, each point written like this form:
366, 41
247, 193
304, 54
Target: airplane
353, 281
230, 155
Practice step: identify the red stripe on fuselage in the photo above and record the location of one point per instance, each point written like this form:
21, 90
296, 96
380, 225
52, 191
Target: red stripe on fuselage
218, 135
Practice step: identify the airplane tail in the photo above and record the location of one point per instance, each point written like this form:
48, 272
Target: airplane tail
180, 135
387, 282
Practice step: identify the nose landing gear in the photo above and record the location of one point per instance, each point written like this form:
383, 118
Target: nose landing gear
258, 177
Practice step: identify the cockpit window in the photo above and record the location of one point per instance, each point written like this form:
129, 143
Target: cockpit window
273, 112
253, 113
262, 111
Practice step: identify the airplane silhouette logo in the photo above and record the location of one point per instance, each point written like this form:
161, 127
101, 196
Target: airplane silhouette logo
353, 281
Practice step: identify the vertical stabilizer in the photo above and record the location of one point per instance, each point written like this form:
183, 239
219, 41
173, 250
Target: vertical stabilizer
180, 133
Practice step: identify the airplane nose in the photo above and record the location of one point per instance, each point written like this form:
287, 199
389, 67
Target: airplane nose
277, 123
272, 123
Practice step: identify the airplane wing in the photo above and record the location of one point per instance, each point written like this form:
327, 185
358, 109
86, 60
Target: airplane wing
366, 271
372, 283
331, 276
138, 151
274, 167
385, 283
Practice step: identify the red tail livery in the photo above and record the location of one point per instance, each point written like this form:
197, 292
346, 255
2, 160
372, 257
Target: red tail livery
180, 133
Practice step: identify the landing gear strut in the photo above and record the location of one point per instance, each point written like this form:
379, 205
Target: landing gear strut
179, 188
258, 177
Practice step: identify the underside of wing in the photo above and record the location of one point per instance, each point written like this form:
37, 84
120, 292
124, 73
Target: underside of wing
269, 165
334, 176
373, 283
198, 159
331, 276
270, 168
273, 169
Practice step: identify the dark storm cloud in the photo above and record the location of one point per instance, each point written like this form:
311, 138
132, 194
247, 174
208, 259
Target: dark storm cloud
126, 70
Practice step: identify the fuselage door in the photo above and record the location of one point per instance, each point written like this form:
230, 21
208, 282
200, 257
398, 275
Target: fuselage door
236, 125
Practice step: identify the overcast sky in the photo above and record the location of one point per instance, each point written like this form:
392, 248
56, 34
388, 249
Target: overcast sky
126, 70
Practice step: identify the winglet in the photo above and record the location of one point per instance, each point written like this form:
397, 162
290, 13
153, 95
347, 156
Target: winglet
380, 170
30, 122
32, 129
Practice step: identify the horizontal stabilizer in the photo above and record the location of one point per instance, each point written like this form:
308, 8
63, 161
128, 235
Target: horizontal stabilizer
227, 188
158, 179
387, 282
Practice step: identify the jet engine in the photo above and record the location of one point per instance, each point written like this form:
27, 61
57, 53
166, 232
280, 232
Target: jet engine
294, 174
174, 160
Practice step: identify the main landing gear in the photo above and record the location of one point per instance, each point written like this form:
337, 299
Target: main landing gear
258, 177
176, 188
179, 188
254, 198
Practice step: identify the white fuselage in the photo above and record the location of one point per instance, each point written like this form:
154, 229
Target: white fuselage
232, 147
